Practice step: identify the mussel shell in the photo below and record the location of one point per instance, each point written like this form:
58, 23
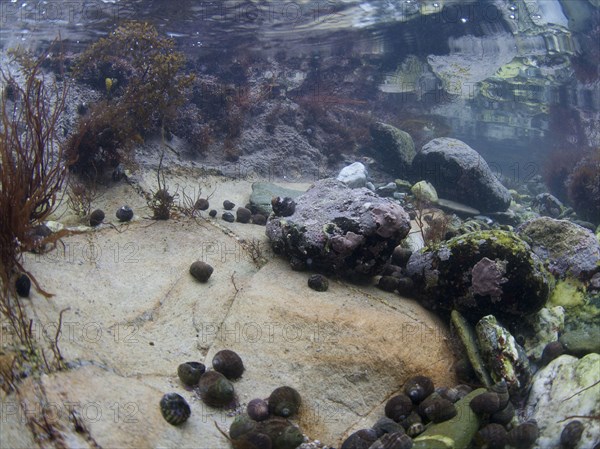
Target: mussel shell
417, 388
440, 410
361, 439
571, 434
215, 390
258, 409
174, 409
398, 407
488, 402
397, 440
190, 372
386, 425
492, 436
284, 401
524, 435
228, 363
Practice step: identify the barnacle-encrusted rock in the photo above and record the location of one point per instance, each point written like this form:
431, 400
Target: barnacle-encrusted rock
284, 401
488, 272
351, 232
228, 363
569, 249
459, 173
504, 358
174, 409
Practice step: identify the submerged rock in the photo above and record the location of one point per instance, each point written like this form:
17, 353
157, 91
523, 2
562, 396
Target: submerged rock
567, 387
570, 249
459, 173
338, 229
394, 148
481, 273
353, 175
263, 193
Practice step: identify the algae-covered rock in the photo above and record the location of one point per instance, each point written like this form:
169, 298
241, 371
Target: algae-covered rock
394, 148
455, 433
567, 387
481, 273
504, 358
569, 249
540, 329
424, 191
350, 232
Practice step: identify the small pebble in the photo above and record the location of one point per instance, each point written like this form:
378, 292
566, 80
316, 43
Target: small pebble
228, 205
243, 215
213, 213
318, 282
228, 217
96, 217
202, 204
125, 213
201, 270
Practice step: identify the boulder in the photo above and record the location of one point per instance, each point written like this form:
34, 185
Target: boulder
569, 249
481, 273
353, 175
393, 147
263, 193
459, 173
565, 390
340, 230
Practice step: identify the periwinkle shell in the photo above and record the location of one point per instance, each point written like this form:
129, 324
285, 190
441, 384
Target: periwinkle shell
258, 409
551, 351
228, 205
571, 434
124, 213
241, 425
415, 429
361, 439
174, 409
23, 285
284, 401
215, 389
318, 282
201, 270
417, 388
488, 402
492, 436
398, 407
190, 372
503, 416
386, 425
501, 389
202, 204
96, 217
440, 410
524, 435
253, 440
228, 363
283, 434
412, 418
397, 440
426, 403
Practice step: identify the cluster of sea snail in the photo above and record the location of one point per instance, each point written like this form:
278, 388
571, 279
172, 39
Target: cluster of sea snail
263, 426
425, 417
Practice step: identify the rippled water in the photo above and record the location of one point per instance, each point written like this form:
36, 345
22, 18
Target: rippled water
512, 78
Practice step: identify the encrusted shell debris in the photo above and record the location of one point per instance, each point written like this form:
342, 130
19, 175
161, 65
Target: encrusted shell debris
190, 372
258, 409
174, 409
571, 434
398, 407
492, 436
488, 402
23, 285
215, 389
524, 435
361, 439
228, 363
284, 401
418, 388
397, 440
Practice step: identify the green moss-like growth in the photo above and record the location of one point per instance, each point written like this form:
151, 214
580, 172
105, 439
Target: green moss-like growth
509, 279
139, 73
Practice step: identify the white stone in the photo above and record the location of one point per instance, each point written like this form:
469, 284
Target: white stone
353, 175
568, 386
